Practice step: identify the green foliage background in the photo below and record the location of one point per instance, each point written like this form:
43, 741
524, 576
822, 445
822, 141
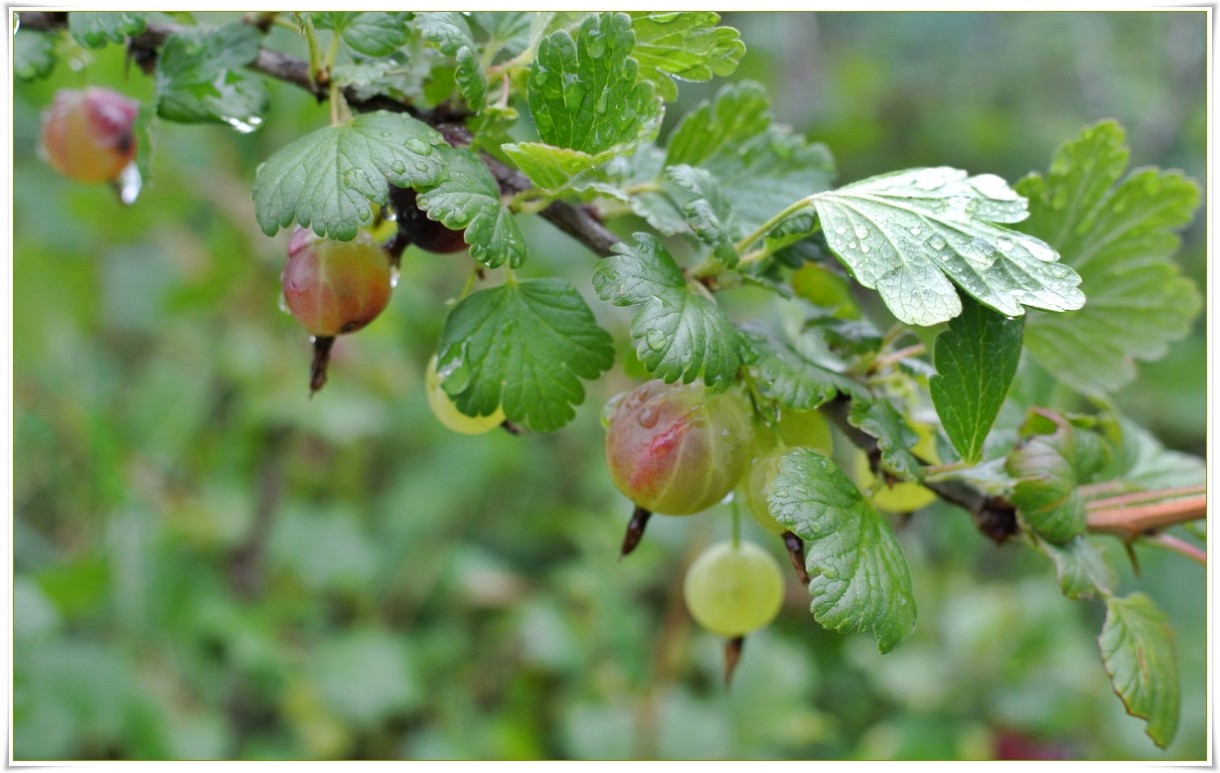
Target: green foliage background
209, 564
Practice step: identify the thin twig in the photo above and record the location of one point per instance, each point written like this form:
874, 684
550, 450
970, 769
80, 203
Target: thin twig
1180, 546
1131, 522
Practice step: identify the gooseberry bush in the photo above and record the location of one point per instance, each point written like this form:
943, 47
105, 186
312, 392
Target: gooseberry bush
923, 326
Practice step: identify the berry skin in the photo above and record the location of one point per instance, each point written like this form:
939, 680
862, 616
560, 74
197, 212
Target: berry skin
88, 135
334, 287
733, 590
758, 486
448, 414
427, 234
677, 449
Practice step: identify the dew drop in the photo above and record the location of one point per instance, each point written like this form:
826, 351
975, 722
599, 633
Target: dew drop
283, 304
244, 126
916, 230
394, 272
418, 147
929, 179
655, 340
128, 184
861, 232
398, 167
937, 243
864, 248
420, 166
1005, 245
840, 230
649, 417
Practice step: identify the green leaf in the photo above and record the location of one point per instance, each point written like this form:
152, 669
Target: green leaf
331, 177
1081, 570
33, 54
523, 346
1143, 462
199, 77
679, 334
449, 33
468, 197
976, 358
684, 45
913, 235
376, 33
1120, 237
717, 129
147, 129
859, 579
767, 167
792, 372
1137, 651
707, 212
895, 438
507, 30
96, 29
584, 93
1047, 493
549, 168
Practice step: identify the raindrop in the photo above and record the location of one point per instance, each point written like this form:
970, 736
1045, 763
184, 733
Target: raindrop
655, 340
648, 417
929, 179
128, 184
916, 230
394, 272
840, 230
861, 232
243, 126
1005, 245
418, 146
420, 166
937, 243
283, 304
864, 248
398, 167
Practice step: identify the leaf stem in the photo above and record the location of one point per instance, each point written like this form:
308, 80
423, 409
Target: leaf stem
735, 508
774, 220
315, 57
1140, 497
1180, 546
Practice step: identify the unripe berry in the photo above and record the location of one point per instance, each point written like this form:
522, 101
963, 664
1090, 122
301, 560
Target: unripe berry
677, 449
88, 135
734, 589
414, 223
334, 287
447, 413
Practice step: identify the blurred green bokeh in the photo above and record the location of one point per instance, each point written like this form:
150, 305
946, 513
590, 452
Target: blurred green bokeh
210, 564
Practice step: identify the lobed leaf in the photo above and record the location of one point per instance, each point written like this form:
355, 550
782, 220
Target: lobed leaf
523, 346
859, 578
976, 358
895, 438
329, 178
584, 93
913, 235
791, 372
449, 33
96, 29
679, 334
199, 77
376, 33
1136, 645
1142, 462
1119, 236
468, 197
33, 54
683, 45
549, 168
707, 211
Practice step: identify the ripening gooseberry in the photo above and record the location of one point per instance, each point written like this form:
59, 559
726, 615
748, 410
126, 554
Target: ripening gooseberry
334, 287
761, 475
677, 449
88, 135
447, 413
734, 589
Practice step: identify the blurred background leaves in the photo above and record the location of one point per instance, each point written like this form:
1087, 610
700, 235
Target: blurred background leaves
209, 564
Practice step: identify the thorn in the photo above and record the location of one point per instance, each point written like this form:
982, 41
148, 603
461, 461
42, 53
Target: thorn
511, 428
796, 553
635, 529
732, 654
321, 362
1135, 562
